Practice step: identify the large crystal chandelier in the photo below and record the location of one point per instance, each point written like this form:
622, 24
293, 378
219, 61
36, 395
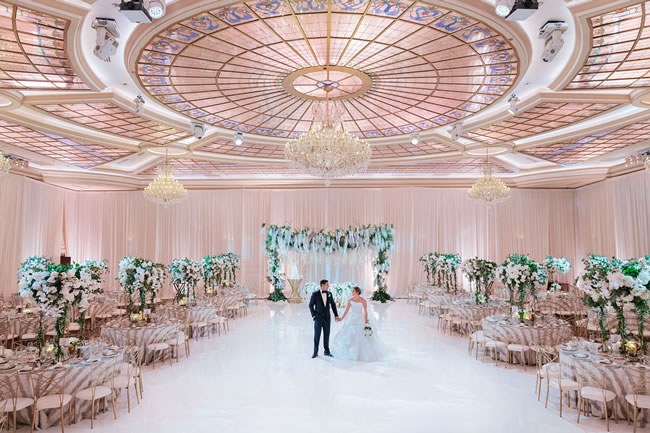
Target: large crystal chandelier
328, 151
165, 188
489, 188
5, 164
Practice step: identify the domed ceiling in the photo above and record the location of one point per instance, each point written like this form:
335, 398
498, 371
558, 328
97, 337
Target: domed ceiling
397, 67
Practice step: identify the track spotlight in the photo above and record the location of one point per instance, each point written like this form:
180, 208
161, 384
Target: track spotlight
456, 131
156, 9
503, 7
513, 100
139, 104
238, 138
415, 138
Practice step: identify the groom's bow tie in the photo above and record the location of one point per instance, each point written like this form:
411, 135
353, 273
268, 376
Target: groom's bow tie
324, 292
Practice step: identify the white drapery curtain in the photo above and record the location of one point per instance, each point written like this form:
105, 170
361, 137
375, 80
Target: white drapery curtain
111, 225
31, 215
609, 218
614, 217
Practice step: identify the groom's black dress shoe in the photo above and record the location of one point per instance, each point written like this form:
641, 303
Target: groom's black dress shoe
314, 355
329, 354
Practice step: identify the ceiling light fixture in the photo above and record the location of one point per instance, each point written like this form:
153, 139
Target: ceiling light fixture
5, 164
513, 100
415, 138
165, 189
135, 11
328, 151
522, 9
139, 104
456, 130
503, 7
157, 9
488, 188
238, 138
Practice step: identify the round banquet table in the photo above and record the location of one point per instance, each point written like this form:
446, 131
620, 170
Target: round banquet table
122, 333
584, 364
546, 332
79, 376
470, 312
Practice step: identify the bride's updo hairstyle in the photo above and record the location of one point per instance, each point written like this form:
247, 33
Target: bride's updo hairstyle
357, 289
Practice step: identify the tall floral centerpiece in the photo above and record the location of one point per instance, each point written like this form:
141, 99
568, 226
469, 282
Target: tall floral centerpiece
430, 263
553, 267
55, 288
185, 275
593, 281
220, 270
629, 283
521, 275
142, 278
481, 273
278, 240
97, 271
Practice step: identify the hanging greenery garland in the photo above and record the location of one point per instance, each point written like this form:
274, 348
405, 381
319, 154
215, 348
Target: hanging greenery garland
279, 240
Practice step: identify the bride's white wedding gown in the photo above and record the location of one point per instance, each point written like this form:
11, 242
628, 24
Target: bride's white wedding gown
351, 342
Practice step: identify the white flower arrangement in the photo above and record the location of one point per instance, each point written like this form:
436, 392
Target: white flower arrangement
481, 272
441, 269
557, 264
220, 269
142, 277
185, 275
522, 275
55, 288
280, 239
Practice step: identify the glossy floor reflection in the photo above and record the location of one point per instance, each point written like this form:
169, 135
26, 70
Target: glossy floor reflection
261, 378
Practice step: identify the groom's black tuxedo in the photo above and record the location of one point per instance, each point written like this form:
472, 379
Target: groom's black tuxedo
320, 312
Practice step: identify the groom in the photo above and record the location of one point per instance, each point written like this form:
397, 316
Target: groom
319, 307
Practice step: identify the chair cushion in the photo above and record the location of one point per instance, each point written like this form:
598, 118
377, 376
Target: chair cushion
158, 346
28, 336
642, 401
495, 343
6, 352
518, 347
100, 392
53, 401
597, 394
7, 405
199, 324
565, 384
74, 327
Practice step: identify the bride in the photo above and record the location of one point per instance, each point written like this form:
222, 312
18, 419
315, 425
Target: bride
351, 342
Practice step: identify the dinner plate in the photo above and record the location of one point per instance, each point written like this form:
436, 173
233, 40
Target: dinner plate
580, 355
8, 366
25, 369
91, 361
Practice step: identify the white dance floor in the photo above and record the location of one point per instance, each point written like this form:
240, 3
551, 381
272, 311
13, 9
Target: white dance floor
260, 378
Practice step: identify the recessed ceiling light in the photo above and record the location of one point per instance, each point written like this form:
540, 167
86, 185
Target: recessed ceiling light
238, 138
415, 138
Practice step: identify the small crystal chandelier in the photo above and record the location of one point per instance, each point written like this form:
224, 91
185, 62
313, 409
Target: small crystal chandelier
489, 188
329, 151
5, 164
165, 188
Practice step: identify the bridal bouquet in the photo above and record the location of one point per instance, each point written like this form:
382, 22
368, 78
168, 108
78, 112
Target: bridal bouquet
367, 330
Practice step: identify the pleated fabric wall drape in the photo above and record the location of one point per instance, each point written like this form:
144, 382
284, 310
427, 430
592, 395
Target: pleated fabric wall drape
609, 218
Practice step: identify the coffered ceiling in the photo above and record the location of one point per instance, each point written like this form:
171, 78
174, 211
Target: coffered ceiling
397, 67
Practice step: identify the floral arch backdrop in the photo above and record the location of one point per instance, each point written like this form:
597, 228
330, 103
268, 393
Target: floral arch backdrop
279, 240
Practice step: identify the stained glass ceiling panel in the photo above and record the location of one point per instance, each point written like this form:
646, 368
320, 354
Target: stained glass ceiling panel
32, 51
69, 151
538, 119
251, 67
108, 117
594, 145
619, 56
